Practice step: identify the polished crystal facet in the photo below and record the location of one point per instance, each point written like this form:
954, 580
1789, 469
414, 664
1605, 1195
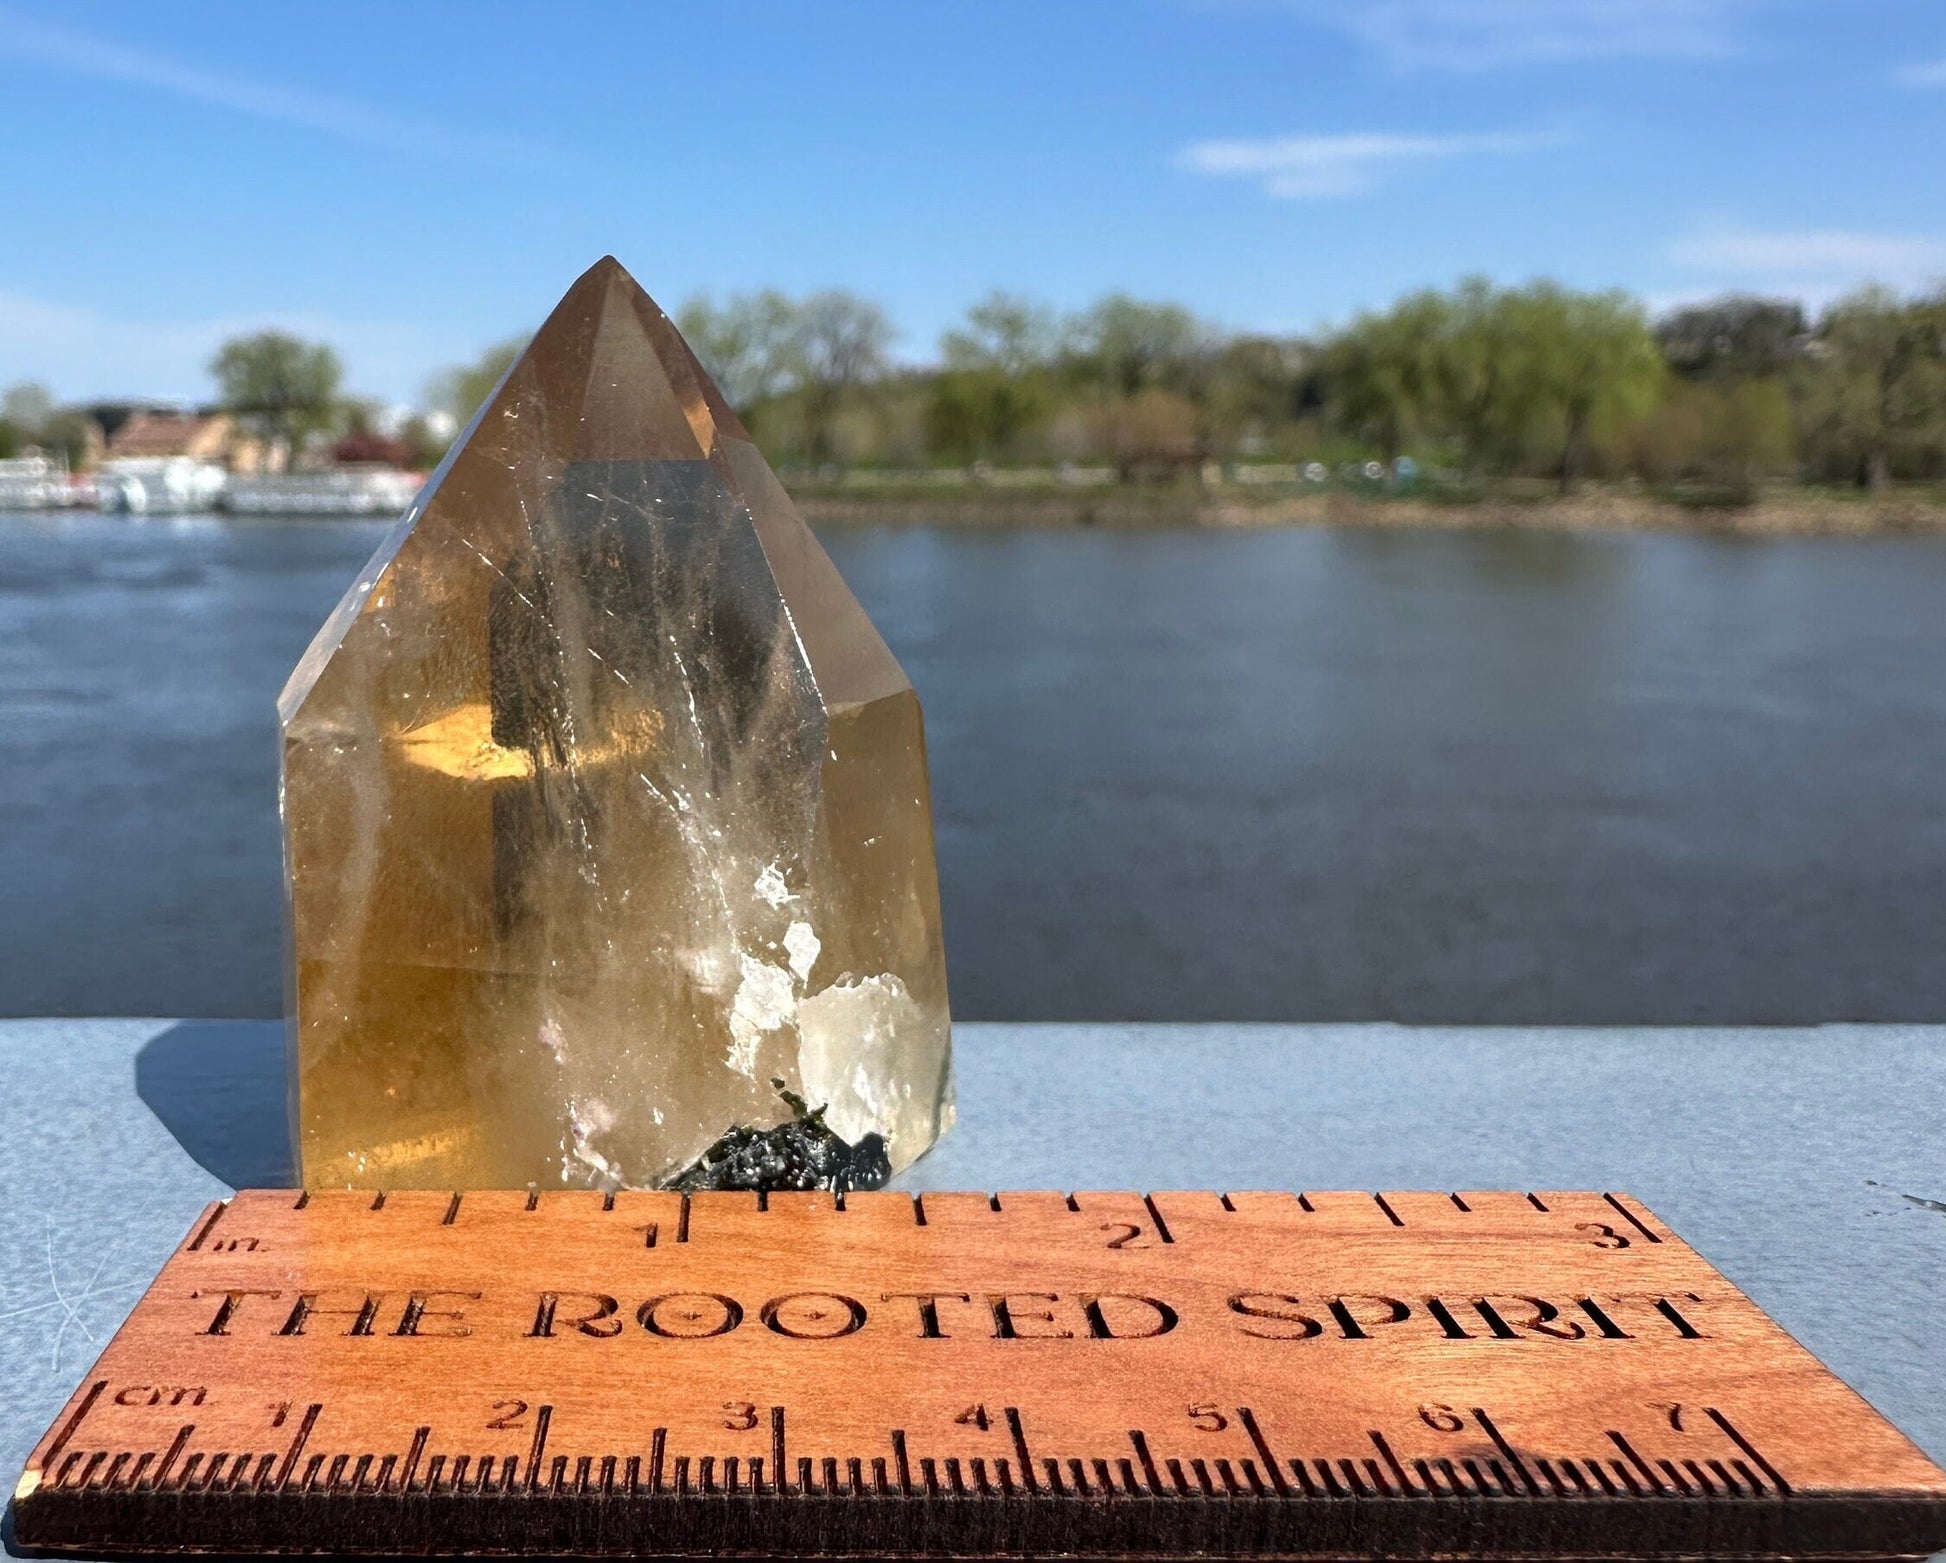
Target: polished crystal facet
607, 825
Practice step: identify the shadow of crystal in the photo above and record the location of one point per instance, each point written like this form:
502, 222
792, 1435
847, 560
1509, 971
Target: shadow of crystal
218, 1087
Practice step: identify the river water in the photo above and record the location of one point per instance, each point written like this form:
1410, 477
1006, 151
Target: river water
1306, 774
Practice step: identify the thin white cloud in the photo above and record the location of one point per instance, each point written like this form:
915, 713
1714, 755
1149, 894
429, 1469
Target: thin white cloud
75, 53
1814, 264
67, 347
1477, 35
1309, 168
1810, 252
1931, 74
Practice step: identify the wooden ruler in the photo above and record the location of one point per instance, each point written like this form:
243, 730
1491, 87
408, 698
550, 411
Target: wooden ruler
1252, 1375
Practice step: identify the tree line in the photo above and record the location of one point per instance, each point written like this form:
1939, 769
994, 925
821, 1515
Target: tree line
1476, 384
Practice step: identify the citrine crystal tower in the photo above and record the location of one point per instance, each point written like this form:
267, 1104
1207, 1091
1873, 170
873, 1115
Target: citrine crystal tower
607, 825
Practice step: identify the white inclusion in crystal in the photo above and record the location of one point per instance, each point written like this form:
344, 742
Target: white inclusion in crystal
764, 1001
554, 1039
803, 946
845, 1054
709, 967
771, 886
588, 1118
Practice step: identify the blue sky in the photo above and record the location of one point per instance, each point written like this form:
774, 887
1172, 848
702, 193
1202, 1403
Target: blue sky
411, 182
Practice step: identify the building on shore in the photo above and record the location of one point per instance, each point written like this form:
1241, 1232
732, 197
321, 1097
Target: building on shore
149, 458
156, 434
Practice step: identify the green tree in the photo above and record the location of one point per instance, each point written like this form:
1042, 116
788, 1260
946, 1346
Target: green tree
1126, 345
1382, 375
994, 384
463, 389
29, 408
1589, 358
423, 448
1003, 332
1875, 397
838, 347
279, 385
1487, 374
746, 345
1495, 371
71, 434
1251, 390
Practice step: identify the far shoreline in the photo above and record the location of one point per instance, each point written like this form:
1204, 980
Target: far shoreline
1595, 510
1804, 514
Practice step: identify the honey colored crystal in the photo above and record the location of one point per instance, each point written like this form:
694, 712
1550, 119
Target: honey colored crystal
606, 813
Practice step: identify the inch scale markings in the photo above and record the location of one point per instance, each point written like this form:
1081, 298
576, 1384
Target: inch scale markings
1472, 1374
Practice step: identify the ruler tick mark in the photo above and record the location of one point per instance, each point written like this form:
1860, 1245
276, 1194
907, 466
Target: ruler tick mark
1020, 1448
542, 1417
1486, 1426
215, 1215
1629, 1216
1392, 1462
452, 1211
298, 1440
1641, 1466
67, 1428
1161, 1226
412, 1457
1391, 1215
1249, 1420
1737, 1438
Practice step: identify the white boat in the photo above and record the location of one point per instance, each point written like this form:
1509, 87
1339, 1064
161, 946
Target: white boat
34, 483
343, 491
158, 485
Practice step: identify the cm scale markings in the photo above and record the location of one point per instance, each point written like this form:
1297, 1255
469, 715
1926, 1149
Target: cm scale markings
1253, 1375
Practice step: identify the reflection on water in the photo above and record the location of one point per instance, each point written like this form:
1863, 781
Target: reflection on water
1492, 776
